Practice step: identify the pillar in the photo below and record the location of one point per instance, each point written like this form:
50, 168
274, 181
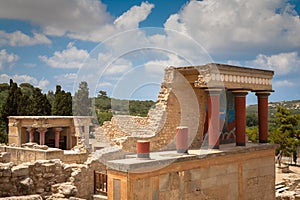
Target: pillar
262, 99
56, 137
182, 143
213, 114
143, 149
31, 134
240, 116
42, 132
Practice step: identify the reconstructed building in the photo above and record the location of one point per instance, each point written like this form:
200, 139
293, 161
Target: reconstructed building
193, 146
63, 132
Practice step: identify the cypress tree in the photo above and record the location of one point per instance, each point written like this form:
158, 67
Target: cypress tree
62, 103
82, 103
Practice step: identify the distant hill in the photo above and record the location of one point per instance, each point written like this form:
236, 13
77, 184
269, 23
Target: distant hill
293, 106
252, 118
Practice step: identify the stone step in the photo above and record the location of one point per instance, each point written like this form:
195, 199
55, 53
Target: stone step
99, 197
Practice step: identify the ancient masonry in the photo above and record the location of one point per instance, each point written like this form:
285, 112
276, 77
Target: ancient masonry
47, 157
176, 105
50, 179
184, 99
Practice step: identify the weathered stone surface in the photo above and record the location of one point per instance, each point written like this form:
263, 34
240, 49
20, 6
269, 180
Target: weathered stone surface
20, 170
26, 185
4, 157
67, 190
28, 197
45, 176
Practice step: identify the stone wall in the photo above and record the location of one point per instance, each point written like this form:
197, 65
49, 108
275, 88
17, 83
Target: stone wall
49, 178
178, 104
4, 157
19, 155
247, 173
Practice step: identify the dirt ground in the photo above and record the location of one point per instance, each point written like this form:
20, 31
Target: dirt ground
294, 172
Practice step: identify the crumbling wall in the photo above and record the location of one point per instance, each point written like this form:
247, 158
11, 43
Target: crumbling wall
179, 104
49, 178
4, 157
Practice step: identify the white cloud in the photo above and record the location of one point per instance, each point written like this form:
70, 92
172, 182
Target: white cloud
66, 79
104, 84
18, 38
131, 18
156, 67
58, 17
282, 63
42, 84
235, 26
69, 58
7, 59
284, 83
128, 20
117, 67
85, 20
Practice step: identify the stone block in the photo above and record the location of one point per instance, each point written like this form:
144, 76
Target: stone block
6, 172
192, 186
5, 179
172, 194
49, 167
48, 175
196, 174
20, 170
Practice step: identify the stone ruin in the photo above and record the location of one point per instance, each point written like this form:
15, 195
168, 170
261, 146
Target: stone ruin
184, 100
50, 179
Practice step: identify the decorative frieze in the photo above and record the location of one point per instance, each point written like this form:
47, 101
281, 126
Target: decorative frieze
230, 77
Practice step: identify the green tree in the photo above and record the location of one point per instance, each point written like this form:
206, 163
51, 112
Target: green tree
50, 97
104, 116
102, 102
286, 133
26, 89
39, 104
252, 133
62, 103
10, 108
251, 119
82, 103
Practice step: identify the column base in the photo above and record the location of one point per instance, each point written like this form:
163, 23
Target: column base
263, 141
182, 150
240, 144
214, 146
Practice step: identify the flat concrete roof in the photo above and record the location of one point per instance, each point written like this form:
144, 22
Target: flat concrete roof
160, 159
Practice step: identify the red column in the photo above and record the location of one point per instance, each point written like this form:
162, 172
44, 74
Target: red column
262, 98
213, 113
182, 142
143, 149
240, 116
42, 132
57, 134
31, 134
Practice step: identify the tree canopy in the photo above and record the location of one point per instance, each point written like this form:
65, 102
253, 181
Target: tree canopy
286, 133
81, 102
62, 103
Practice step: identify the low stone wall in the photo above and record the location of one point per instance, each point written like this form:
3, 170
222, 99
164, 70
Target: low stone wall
19, 155
49, 178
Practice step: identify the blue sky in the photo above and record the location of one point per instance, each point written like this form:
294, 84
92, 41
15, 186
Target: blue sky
109, 43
